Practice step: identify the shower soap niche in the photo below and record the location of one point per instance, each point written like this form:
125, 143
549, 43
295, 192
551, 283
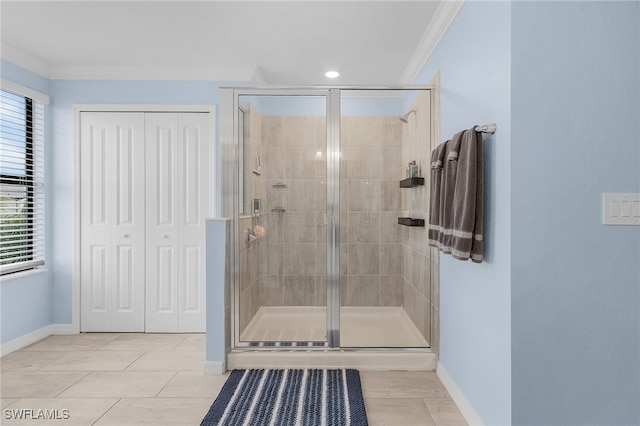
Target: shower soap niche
409, 221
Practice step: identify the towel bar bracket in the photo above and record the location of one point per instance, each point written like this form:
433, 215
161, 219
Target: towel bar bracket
487, 128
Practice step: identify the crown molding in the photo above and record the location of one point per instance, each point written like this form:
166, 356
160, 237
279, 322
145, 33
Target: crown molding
24, 60
147, 72
152, 73
440, 23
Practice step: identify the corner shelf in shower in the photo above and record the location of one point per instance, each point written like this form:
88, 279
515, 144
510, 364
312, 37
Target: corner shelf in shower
411, 182
409, 221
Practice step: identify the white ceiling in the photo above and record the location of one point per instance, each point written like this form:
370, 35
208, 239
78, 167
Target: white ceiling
267, 42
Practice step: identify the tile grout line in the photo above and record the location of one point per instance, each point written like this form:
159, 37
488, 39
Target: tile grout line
135, 360
166, 384
86, 373
424, 402
106, 411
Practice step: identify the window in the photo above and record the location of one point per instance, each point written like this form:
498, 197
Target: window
21, 183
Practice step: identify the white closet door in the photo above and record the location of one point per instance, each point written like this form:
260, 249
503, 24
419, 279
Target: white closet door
112, 222
194, 190
177, 157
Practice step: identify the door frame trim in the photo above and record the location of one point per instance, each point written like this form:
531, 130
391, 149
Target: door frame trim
77, 109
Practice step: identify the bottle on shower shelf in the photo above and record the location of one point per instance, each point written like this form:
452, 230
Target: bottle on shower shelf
414, 169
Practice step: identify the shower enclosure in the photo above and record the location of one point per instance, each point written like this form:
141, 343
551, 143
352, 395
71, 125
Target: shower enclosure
316, 183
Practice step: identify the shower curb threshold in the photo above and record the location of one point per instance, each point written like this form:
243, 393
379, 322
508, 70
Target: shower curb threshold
362, 359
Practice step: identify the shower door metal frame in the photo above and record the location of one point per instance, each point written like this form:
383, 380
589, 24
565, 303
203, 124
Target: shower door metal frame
230, 206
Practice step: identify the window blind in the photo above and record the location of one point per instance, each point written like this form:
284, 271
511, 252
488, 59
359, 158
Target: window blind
22, 244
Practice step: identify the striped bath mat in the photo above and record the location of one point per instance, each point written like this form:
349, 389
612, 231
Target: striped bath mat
289, 397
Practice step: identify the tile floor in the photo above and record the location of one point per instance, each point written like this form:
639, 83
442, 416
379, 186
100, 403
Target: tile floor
157, 379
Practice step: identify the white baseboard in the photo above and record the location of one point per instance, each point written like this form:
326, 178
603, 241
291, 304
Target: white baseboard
34, 336
214, 368
64, 329
458, 397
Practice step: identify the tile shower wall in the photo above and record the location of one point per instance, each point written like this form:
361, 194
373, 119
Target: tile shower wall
253, 257
249, 280
294, 172
371, 252
419, 301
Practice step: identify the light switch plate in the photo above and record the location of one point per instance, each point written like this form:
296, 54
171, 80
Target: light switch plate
621, 209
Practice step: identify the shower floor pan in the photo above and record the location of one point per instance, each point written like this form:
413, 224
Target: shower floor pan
372, 338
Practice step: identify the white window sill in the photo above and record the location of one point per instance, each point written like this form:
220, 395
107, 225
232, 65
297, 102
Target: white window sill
22, 274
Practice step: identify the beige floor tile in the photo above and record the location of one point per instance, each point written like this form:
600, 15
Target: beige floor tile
17, 384
139, 384
156, 412
75, 342
445, 412
402, 384
193, 342
170, 361
67, 411
4, 402
94, 360
28, 360
145, 342
193, 384
397, 412
106, 378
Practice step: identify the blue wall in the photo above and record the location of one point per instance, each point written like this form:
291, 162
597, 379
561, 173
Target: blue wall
546, 331
64, 94
45, 299
26, 302
575, 283
379, 103
475, 348
26, 305
218, 276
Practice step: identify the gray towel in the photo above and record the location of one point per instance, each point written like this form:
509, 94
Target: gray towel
456, 228
467, 206
437, 160
443, 177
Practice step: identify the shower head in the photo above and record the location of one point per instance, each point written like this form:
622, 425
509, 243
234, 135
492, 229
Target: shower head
256, 172
405, 118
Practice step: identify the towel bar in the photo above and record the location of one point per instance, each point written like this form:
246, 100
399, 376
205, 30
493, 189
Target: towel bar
487, 128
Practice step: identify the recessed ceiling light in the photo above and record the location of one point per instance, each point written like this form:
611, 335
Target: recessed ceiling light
331, 74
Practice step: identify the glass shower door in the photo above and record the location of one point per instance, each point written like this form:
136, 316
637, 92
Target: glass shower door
282, 172
323, 259
385, 285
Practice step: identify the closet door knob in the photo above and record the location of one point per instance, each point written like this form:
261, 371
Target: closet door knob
125, 235
165, 236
